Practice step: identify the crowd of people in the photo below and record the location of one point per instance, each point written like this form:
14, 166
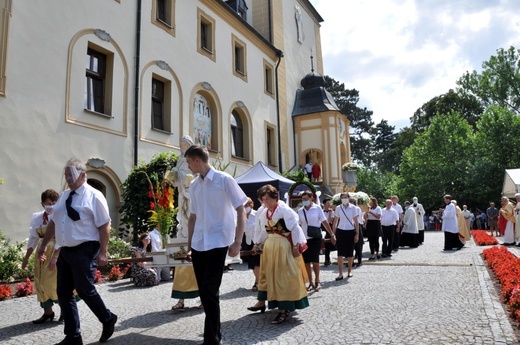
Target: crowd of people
70, 237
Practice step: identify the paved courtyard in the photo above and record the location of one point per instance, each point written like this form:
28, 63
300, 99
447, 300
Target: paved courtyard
419, 296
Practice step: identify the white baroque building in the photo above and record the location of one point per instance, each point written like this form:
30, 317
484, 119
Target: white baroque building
112, 82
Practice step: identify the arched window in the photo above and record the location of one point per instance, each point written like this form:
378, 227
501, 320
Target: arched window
202, 121
237, 135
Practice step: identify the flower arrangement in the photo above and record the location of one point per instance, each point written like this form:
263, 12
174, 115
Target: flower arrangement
506, 267
98, 278
482, 238
115, 274
5, 292
161, 207
24, 289
362, 198
350, 166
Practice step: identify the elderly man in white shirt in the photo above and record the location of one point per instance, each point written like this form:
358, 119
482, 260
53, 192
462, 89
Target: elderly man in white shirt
81, 225
389, 220
215, 197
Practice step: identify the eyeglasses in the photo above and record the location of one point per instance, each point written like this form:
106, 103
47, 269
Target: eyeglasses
146, 238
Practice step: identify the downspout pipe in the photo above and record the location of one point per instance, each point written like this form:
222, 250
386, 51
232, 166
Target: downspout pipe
270, 21
136, 91
280, 56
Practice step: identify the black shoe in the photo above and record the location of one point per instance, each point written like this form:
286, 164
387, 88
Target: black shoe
383, 256
44, 318
389, 255
61, 319
108, 328
327, 263
262, 309
359, 264
71, 340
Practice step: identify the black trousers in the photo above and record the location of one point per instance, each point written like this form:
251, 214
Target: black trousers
358, 247
209, 267
388, 239
76, 270
396, 240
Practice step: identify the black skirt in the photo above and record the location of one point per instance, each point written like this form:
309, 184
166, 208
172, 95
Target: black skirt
345, 242
312, 254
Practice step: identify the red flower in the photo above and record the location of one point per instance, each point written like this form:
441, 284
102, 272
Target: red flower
482, 238
24, 289
5, 292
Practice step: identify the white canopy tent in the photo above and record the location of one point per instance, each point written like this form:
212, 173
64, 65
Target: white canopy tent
511, 183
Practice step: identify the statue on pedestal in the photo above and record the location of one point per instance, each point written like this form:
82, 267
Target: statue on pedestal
181, 177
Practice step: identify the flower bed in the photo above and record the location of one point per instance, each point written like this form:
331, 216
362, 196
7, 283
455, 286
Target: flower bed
482, 238
506, 267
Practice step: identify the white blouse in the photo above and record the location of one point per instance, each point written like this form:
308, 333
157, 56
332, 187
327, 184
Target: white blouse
291, 222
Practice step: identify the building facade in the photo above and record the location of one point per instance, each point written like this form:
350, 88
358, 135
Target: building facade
112, 82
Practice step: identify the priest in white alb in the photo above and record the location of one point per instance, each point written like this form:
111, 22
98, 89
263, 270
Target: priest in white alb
410, 232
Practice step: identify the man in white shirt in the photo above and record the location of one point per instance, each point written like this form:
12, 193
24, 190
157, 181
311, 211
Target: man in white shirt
215, 196
81, 224
389, 220
163, 273
308, 170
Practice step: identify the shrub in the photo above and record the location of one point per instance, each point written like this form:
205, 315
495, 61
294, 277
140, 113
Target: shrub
24, 289
118, 248
11, 258
136, 202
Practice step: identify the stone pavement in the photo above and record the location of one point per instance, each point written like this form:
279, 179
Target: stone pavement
419, 296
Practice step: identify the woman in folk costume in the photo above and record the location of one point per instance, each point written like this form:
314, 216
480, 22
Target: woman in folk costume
508, 213
282, 275
410, 231
461, 223
184, 286
45, 272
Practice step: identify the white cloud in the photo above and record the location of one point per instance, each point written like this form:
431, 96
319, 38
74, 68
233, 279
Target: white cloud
401, 53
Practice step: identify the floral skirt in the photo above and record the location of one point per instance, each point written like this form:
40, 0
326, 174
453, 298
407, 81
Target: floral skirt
144, 276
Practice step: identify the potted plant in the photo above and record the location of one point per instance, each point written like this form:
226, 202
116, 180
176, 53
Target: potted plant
349, 173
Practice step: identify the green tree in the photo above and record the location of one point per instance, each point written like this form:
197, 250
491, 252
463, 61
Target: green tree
499, 81
465, 104
393, 155
383, 136
136, 200
360, 119
497, 137
437, 162
374, 182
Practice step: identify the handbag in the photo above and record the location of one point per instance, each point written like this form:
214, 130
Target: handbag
312, 231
